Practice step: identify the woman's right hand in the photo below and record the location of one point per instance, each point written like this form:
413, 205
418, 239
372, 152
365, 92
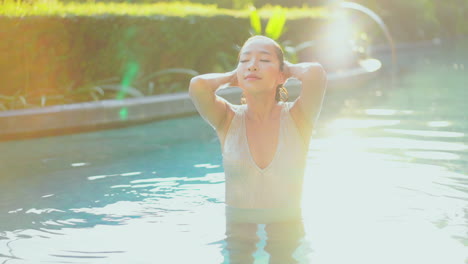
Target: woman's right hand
233, 78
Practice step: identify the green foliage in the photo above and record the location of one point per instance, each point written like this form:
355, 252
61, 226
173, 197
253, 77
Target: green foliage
56, 53
48, 57
95, 58
238, 4
274, 30
14, 8
179, 9
255, 22
422, 19
233, 4
275, 26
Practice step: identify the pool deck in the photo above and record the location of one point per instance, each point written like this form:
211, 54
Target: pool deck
88, 116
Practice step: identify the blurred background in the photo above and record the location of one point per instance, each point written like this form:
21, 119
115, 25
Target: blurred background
58, 52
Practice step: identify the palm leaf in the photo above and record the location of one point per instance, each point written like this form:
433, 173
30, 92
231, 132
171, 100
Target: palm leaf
275, 26
255, 21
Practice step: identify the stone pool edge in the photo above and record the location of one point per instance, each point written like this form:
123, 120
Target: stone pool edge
87, 116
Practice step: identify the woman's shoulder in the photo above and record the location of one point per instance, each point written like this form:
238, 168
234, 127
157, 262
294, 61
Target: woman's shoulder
236, 108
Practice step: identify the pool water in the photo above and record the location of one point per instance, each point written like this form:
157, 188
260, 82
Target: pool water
386, 182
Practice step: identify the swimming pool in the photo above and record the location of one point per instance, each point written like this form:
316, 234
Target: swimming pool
386, 182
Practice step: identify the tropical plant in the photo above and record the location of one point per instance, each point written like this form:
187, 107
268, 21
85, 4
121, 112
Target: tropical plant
143, 86
101, 90
274, 29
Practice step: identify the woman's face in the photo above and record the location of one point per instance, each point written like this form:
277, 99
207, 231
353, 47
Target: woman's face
259, 67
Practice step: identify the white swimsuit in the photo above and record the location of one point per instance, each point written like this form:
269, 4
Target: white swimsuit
277, 186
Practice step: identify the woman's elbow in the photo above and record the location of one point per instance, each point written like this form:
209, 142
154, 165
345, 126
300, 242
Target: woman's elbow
317, 70
196, 84
316, 73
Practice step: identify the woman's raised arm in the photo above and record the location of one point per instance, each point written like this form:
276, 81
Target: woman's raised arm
202, 90
314, 83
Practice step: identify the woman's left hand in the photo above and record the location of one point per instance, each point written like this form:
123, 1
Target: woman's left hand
292, 70
299, 71
287, 70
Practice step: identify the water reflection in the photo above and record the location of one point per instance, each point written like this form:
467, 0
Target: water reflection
434, 155
266, 243
361, 123
386, 182
439, 123
387, 112
426, 133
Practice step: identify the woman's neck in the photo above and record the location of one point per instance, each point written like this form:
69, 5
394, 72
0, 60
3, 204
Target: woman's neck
261, 108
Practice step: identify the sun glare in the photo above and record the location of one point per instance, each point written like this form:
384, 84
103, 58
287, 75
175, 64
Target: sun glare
361, 123
370, 65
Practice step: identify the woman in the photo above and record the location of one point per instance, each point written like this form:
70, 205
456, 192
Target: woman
264, 141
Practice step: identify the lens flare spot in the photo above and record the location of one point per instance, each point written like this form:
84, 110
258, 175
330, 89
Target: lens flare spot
123, 113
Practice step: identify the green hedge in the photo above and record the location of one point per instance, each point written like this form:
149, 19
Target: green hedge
47, 60
231, 4
52, 55
53, 59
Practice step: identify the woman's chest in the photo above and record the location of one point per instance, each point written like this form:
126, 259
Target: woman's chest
263, 139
